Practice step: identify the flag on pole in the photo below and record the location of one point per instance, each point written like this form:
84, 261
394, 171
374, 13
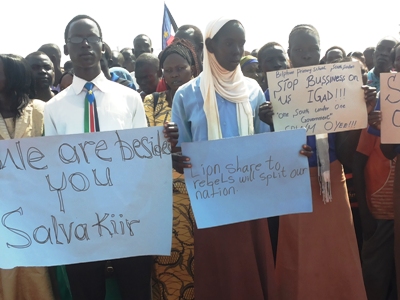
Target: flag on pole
168, 25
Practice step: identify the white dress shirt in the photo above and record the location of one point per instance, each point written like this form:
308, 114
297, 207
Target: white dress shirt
134, 80
118, 107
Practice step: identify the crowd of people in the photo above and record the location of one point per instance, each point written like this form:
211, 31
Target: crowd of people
205, 86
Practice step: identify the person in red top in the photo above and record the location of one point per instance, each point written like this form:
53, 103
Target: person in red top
392, 152
373, 176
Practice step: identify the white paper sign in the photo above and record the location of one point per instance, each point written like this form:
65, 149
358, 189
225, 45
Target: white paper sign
85, 197
322, 99
260, 178
390, 107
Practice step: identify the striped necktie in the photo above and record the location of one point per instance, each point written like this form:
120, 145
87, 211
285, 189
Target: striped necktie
91, 117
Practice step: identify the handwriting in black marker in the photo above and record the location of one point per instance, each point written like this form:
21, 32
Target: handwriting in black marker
392, 79
396, 121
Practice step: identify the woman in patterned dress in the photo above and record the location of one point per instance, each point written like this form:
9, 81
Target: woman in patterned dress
173, 276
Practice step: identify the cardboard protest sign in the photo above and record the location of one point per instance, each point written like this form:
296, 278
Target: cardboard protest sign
322, 99
85, 197
258, 179
390, 107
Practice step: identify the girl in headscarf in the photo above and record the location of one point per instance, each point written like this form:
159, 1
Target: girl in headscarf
233, 261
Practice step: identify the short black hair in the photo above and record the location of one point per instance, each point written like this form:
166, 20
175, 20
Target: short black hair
142, 36
19, 81
51, 49
107, 51
369, 49
364, 67
336, 47
393, 52
304, 28
36, 53
68, 65
69, 72
117, 58
197, 34
147, 58
357, 54
266, 47
77, 18
344, 59
126, 49
387, 38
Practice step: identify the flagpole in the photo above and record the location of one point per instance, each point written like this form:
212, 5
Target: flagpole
173, 23
168, 22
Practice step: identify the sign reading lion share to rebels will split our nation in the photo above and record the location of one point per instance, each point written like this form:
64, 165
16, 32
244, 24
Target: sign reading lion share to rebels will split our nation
259, 179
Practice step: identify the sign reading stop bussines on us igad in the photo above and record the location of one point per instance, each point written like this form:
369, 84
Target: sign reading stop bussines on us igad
322, 98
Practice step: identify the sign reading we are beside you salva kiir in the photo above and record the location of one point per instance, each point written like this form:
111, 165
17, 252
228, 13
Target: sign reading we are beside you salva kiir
85, 197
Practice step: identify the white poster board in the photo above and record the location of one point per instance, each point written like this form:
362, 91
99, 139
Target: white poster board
258, 179
390, 107
322, 99
85, 197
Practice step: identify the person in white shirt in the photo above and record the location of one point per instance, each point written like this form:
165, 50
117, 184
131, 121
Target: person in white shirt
118, 108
